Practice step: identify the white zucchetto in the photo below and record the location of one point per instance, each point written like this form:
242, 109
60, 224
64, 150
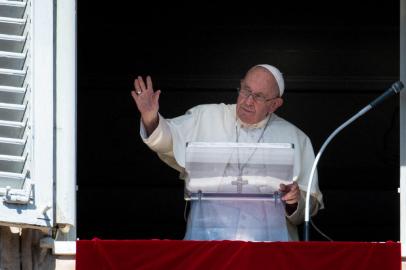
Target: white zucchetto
277, 75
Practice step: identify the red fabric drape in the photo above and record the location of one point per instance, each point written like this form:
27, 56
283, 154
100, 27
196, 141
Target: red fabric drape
177, 254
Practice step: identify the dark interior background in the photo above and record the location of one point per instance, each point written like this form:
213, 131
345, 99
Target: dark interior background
336, 57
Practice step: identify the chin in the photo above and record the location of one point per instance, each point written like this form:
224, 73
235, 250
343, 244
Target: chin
246, 119
249, 121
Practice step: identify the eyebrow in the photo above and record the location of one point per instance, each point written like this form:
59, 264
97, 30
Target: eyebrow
256, 93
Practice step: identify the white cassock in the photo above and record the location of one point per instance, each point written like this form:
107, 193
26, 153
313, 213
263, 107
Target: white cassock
235, 220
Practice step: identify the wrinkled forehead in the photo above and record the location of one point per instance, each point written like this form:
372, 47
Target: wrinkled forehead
258, 78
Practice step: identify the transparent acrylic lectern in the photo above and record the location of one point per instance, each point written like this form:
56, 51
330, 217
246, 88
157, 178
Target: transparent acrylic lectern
234, 190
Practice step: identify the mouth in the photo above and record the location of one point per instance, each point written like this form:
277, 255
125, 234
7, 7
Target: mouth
247, 110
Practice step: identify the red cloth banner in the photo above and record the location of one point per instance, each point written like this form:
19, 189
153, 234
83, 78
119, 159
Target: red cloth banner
196, 255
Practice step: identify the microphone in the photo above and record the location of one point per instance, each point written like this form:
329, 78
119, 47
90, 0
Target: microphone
394, 89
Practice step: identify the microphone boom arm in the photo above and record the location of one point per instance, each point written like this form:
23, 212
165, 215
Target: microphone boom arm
307, 204
394, 89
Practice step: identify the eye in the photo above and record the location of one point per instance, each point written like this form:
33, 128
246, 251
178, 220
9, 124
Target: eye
259, 97
246, 91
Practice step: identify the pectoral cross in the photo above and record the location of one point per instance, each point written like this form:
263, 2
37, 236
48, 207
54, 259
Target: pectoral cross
239, 182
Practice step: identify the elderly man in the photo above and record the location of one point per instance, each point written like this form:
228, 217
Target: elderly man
251, 119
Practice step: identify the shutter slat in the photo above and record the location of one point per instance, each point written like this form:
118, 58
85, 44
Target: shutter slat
9, 146
10, 60
12, 129
11, 26
13, 180
12, 94
14, 9
12, 43
12, 112
12, 77
14, 164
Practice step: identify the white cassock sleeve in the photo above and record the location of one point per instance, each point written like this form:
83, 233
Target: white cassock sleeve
170, 137
160, 141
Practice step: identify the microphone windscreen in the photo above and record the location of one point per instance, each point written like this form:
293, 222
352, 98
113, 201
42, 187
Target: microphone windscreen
397, 86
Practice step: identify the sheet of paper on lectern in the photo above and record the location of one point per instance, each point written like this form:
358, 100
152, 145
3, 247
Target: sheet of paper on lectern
238, 169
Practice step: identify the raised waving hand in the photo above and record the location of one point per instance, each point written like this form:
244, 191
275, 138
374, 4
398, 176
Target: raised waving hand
147, 101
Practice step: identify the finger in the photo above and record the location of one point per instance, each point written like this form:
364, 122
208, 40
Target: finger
282, 187
134, 95
291, 202
142, 84
291, 192
291, 197
156, 97
137, 86
294, 187
136, 99
291, 187
149, 83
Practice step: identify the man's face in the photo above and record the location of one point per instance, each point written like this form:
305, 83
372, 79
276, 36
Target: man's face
258, 96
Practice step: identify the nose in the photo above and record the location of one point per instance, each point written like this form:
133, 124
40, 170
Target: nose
249, 100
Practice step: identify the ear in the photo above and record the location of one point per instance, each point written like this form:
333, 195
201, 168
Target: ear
275, 104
